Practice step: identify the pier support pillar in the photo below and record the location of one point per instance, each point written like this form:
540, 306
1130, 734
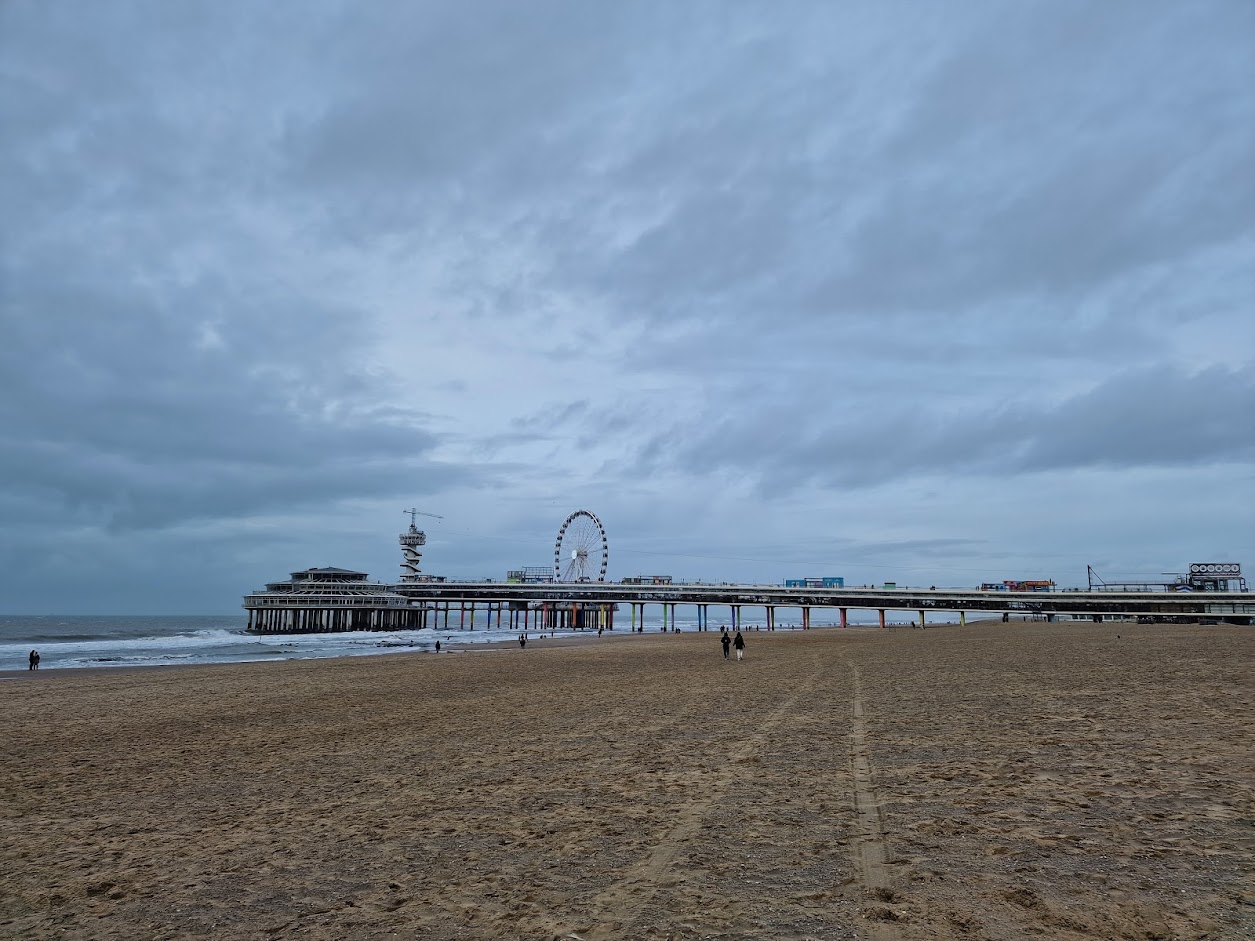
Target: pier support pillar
921, 620
882, 617
845, 618
962, 618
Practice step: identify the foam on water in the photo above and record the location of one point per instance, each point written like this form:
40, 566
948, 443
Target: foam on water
95, 642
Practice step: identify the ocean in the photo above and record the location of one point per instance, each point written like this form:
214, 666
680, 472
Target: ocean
69, 642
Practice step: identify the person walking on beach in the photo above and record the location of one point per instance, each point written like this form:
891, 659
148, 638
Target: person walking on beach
34, 659
739, 643
437, 646
726, 641
522, 641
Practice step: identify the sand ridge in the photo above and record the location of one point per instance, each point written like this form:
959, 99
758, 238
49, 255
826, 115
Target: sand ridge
992, 781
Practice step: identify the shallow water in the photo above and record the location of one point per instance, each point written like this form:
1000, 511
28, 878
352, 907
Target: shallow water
77, 641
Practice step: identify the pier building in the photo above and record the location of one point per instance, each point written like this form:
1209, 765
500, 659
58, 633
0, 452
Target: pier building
328, 600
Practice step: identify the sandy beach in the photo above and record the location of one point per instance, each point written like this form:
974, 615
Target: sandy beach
1063, 781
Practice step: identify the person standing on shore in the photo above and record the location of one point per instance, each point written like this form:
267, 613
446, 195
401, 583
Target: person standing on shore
437, 646
522, 640
726, 641
34, 659
739, 643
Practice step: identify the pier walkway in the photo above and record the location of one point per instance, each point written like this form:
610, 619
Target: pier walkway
342, 600
1223, 606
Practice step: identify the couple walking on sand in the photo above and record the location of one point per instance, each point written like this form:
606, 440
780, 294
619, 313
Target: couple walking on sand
738, 642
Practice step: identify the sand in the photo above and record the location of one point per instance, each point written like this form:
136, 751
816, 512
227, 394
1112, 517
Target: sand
986, 782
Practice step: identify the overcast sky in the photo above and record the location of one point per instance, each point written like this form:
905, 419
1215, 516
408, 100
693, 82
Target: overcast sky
935, 293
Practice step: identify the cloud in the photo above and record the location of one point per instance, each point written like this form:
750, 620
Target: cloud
1138, 418
113, 404
686, 266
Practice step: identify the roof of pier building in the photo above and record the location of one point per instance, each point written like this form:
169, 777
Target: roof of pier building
308, 578
329, 574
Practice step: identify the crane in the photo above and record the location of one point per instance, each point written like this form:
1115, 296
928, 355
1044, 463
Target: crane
414, 514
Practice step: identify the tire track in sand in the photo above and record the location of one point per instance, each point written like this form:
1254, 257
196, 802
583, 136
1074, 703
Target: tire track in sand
869, 847
870, 850
620, 905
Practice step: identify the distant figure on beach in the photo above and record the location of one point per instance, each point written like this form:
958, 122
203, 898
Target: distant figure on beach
600, 631
739, 643
522, 640
727, 643
34, 658
437, 646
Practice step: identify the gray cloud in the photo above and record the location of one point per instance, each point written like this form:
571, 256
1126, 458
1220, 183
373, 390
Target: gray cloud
692, 267
1139, 418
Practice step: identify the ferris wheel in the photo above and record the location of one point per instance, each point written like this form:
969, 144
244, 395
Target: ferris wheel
580, 549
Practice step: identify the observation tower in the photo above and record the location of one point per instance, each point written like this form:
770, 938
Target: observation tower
411, 544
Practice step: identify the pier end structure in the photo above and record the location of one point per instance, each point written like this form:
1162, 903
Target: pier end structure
329, 600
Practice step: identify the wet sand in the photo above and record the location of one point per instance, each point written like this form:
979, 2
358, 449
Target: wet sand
988, 782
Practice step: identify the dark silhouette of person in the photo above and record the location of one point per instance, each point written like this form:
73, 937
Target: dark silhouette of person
522, 640
437, 646
739, 643
34, 659
727, 642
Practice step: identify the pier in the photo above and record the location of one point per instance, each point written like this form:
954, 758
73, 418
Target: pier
314, 605
332, 599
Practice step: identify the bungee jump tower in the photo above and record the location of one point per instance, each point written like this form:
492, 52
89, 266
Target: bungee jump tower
412, 543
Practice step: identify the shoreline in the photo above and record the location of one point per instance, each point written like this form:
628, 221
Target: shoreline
453, 646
